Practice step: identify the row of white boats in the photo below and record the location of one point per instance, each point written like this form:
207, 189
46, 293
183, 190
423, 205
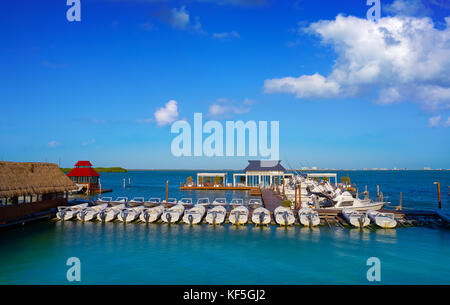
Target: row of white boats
239, 215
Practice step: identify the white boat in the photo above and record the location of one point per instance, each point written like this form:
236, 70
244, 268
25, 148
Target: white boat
110, 213
444, 214
383, 220
239, 215
284, 216
130, 214
203, 202
220, 201
194, 215
89, 213
149, 215
103, 200
346, 201
118, 201
216, 215
69, 212
261, 216
236, 202
173, 214
255, 203
170, 201
153, 202
356, 218
186, 201
136, 201
308, 217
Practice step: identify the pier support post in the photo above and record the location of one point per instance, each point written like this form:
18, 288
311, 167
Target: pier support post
439, 194
300, 195
295, 197
399, 208
167, 193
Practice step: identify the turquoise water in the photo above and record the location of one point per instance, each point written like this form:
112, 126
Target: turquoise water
114, 253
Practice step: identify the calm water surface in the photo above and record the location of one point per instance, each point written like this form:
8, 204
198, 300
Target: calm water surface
179, 254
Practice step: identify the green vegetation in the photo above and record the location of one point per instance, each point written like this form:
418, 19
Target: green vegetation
286, 203
345, 180
101, 169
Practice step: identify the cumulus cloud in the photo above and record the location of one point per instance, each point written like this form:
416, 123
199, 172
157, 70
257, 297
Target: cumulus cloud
167, 114
226, 35
180, 19
434, 121
395, 60
53, 143
224, 107
447, 123
407, 8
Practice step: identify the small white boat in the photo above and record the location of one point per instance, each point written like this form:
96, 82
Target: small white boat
118, 201
383, 220
203, 202
170, 201
173, 214
255, 203
130, 214
220, 201
153, 202
239, 215
284, 216
90, 213
346, 201
186, 201
150, 215
356, 218
216, 215
136, 201
110, 213
444, 214
69, 212
308, 217
236, 202
103, 200
194, 215
261, 216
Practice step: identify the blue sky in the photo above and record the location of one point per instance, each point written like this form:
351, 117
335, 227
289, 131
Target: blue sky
89, 90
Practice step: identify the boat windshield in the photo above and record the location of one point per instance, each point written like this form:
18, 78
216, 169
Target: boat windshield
203, 200
221, 200
155, 200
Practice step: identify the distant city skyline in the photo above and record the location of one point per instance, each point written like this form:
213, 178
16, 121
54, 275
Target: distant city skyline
347, 92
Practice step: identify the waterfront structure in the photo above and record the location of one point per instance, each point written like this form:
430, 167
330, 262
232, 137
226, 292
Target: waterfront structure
85, 176
217, 179
31, 189
261, 173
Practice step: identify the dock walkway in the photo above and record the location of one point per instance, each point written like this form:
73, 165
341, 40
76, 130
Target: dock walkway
270, 199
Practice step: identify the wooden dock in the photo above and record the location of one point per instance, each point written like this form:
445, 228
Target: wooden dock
217, 188
270, 199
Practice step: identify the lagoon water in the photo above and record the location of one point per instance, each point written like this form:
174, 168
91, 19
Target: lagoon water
114, 253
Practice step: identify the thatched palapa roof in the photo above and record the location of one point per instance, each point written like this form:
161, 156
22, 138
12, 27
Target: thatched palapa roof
25, 178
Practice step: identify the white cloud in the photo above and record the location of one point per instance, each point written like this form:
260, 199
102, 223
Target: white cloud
447, 123
168, 114
226, 35
407, 8
398, 59
86, 143
434, 121
224, 107
180, 18
53, 143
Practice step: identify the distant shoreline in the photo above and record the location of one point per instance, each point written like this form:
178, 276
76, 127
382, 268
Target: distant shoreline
101, 169
298, 170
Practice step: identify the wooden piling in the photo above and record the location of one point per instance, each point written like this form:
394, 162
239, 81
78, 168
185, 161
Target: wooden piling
439, 194
399, 208
300, 195
295, 206
284, 194
167, 193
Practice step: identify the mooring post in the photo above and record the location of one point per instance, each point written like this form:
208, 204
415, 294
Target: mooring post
284, 194
400, 202
295, 197
378, 191
167, 193
439, 194
123, 182
300, 195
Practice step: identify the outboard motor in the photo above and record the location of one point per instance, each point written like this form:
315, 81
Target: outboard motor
261, 217
83, 214
190, 218
146, 216
310, 219
62, 213
361, 220
169, 217
103, 215
285, 218
124, 215
214, 217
